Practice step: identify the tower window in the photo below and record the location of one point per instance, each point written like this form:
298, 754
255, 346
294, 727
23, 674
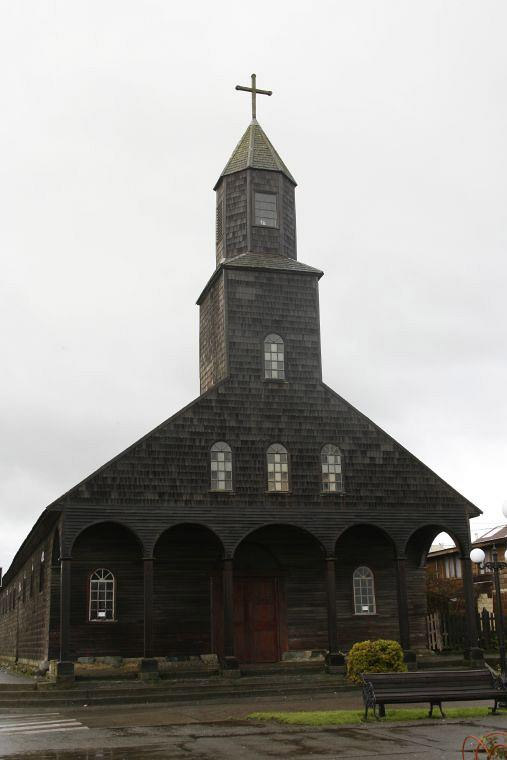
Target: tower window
266, 213
221, 467
102, 595
331, 465
274, 358
364, 591
278, 468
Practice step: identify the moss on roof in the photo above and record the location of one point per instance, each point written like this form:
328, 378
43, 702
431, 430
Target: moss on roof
254, 151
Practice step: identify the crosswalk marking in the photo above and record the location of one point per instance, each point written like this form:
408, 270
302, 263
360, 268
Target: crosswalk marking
38, 723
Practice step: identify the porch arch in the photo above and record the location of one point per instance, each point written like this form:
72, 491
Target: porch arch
367, 545
112, 545
416, 549
279, 593
187, 558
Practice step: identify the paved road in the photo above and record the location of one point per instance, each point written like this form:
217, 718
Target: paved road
219, 732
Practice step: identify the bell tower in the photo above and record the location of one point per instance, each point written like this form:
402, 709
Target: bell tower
258, 288
255, 203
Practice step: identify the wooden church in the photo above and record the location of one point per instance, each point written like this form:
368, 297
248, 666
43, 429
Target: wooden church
268, 518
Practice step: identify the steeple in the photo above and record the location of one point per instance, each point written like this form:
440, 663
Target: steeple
255, 151
255, 204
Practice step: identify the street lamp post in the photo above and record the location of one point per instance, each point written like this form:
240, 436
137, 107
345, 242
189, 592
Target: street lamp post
478, 556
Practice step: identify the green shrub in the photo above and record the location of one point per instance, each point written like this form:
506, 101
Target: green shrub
379, 656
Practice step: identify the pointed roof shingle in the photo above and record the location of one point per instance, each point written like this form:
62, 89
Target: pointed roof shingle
254, 151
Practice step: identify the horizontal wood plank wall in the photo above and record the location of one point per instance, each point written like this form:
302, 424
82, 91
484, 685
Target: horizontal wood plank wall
298, 560
112, 547
186, 559
369, 547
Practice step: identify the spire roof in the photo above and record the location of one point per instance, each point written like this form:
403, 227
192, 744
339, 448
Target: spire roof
254, 151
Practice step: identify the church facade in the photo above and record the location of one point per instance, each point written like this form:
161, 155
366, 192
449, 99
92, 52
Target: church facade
268, 517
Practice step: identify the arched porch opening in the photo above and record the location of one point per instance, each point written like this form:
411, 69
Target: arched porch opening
106, 617
367, 593
430, 583
186, 559
279, 595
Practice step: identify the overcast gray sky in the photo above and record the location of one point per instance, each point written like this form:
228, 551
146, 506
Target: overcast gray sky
117, 118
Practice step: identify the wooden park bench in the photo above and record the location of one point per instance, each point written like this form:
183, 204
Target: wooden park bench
433, 686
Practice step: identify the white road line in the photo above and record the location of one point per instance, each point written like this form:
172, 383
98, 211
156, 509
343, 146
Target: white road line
24, 716
47, 730
37, 723
21, 726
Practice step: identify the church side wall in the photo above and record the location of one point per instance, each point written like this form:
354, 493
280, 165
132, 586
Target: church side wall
24, 609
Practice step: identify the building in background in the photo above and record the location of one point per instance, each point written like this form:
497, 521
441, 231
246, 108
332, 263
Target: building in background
445, 563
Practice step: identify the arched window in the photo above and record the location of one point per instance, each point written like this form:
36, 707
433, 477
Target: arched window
221, 467
278, 468
331, 465
364, 591
274, 358
102, 595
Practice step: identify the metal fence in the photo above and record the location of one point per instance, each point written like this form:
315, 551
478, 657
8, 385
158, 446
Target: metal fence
446, 631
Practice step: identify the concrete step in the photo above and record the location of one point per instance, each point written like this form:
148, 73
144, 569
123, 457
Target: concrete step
79, 696
23, 686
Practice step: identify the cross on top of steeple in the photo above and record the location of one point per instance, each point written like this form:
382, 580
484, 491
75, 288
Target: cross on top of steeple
253, 89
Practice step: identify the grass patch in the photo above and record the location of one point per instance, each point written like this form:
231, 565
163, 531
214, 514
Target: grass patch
351, 717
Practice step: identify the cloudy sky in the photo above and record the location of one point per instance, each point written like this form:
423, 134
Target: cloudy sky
117, 118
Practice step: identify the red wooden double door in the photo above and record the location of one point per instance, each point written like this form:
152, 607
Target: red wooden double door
256, 619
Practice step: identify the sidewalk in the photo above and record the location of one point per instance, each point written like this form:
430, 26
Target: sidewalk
6, 676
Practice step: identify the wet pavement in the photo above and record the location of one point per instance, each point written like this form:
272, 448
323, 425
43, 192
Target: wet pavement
204, 731
241, 741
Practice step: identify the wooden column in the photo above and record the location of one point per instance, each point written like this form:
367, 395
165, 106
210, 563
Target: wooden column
229, 661
409, 656
65, 579
472, 649
401, 585
148, 607
334, 658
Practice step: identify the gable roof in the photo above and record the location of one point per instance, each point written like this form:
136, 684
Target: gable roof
499, 533
255, 151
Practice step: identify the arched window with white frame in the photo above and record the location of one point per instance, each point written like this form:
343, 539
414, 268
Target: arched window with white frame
274, 358
364, 591
278, 468
221, 467
331, 469
102, 596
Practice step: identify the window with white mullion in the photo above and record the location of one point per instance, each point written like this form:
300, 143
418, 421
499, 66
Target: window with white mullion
102, 596
274, 358
221, 467
278, 468
331, 466
364, 591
